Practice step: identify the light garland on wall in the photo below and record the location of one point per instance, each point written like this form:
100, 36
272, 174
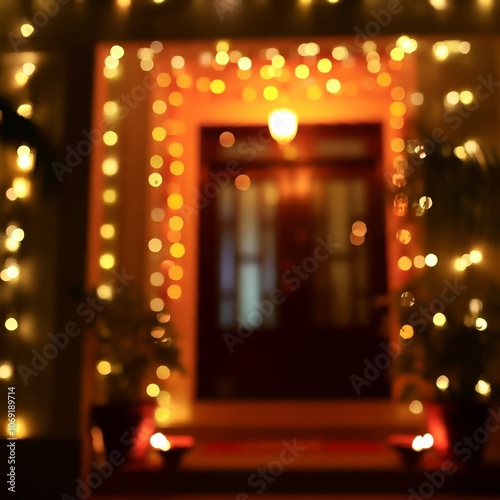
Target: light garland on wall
18, 161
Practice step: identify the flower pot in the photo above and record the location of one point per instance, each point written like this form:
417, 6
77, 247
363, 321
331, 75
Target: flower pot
125, 427
458, 431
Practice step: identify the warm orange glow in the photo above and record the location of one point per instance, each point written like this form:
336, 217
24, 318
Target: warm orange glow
175, 201
175, 223
174, 292
226, 139
176, 149
249, 94
242, 182
175, 98
203, 84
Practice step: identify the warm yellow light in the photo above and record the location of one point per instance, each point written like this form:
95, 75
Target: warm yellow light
157, 279
475, 256
302, 71
431, 260
107, 261
340, 53
27, 30
162, 415
11, 245
177, 250
156, 161
283, 124
163, 372
439, 319
159, 134
384, 79
29, 68
481, 324
104, 292
427, 441
439, 4
270, 93
157, 304
25, 110
324, 65
174, 292
464, 47
417, 443
176, 149
333, 86
159, 107
12, 271
460, 264
373, 66
104, 367
398, 145
175, 273
123, 3
460, 152
278, 61
11, 324
177, 62
441, 51
21, 78
404, 263
177, 167
152, 390
406, 332
109, 196
175, 201
217, 86
107, 231
111, 63
6, 371
110, 138
25, 161
466, 97
21, 187
416, 407
117, 51
442, 382
154, 245
419, 261
397, 109
483, 388
397, 54
184, 81
160, 442
244, 63
155, 179
110, 108
175, 223
110, 166
222, 58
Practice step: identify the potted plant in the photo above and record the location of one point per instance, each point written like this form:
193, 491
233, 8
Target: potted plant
451, 359
131, 343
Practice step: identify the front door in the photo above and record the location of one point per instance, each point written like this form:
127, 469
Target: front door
291, 260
